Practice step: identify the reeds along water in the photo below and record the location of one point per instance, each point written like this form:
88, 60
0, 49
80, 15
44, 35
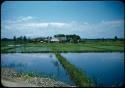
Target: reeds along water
76, 75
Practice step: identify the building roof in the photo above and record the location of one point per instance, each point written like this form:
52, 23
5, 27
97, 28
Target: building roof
54, 39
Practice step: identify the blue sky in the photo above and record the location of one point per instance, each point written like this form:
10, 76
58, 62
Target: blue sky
89, 19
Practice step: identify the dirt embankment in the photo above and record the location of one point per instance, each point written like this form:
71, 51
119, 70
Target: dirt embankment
10, 78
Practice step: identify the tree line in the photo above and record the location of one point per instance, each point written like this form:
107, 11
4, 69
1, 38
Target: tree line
69, 38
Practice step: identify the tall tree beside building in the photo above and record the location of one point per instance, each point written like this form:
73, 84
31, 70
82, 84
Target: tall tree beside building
24, 38
73, 38
14, 38
116, 38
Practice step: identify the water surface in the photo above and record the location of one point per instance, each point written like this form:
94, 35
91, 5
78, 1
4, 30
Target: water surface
107, 69
45, 64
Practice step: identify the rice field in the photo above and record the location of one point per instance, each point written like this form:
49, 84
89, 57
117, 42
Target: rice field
93, 46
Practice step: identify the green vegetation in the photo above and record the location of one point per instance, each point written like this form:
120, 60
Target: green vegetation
62, 43
78, 76
87, 46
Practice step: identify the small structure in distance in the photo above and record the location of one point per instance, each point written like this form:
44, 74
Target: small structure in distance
54, 40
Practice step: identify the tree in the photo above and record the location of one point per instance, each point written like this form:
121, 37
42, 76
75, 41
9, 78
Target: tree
24, 38
14, 38
59, 35
49, 39
29, 39
115, 38
20, 38
5, 39
73, 38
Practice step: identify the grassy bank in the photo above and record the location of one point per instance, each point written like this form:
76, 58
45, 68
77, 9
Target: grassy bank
78, 76
37, 47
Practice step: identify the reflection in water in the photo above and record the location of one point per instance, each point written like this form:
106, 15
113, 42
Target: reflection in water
44, 64
50, 55
56, 64
13, 65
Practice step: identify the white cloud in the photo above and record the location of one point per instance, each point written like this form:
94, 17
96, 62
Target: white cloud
30, 26
113, 22
22, 18
57, 24
36, 25
45, 24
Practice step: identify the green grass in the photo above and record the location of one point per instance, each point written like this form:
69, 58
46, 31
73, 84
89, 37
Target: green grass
80, 78
35, 49
93, 46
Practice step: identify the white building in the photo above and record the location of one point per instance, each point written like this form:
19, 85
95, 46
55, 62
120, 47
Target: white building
54, 40
61, 38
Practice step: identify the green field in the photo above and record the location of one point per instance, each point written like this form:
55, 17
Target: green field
37, 47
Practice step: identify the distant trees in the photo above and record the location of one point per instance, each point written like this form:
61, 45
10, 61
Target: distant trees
5, 39
59, 35
14, 38
115, 38
21, 38
68, 38
49, 39
61, 38
24, 38
73, 38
